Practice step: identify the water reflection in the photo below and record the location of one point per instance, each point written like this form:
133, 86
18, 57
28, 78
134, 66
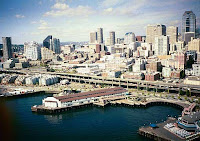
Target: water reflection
54, 119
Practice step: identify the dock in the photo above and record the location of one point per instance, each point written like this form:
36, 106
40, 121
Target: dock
109, 101
160, 133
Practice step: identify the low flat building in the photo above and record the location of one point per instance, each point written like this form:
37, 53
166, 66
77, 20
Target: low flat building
152, 76
83, 98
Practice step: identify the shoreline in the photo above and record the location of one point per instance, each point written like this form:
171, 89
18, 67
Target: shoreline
44, 110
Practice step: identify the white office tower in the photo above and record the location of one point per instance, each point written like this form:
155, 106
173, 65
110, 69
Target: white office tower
129, 38
161, 45
100, 35
93, 37
33, 50
112, 38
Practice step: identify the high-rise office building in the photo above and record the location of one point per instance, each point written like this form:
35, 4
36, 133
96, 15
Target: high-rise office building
93, 37
129, 38
172, 32
154, 30
161, 45
112, 38
100, 35
47, 41
188, 23
32, 50
56, 45
7, 51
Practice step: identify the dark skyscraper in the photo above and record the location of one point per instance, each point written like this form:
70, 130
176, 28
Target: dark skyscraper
56, 45
112, 38
100, 35
188, 23
46, 42
7, 50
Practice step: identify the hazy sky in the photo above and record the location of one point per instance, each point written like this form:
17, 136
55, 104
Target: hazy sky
73, 20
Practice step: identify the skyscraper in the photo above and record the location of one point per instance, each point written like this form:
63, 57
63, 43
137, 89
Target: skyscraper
100, 35
7, 51
188, 22
172, 32
129, 38
154, 30
93, 37
56, 45
161, 45
112, 38
47, 41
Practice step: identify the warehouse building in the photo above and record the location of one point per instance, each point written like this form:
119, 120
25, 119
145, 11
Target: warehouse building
83, 98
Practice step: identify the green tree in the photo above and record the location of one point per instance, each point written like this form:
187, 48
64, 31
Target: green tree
188, 93
186, 98
181, 92
182, 74
190, 62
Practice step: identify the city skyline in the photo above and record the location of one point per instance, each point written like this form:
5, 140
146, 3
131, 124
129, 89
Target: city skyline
74, 20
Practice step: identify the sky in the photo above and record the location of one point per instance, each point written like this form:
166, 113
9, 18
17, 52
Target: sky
73, 20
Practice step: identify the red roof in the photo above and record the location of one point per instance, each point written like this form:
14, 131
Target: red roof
96, 93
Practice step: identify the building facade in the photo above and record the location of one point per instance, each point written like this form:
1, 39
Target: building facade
32, 50
172, 32
93, 37
161, 45
46, 54
100, 35
56, 45
188, 23
154, 30
129, 38
7, 48
83, 98
47, 41
194, 44
112, 38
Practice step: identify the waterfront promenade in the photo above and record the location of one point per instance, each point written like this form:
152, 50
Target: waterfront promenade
130, 100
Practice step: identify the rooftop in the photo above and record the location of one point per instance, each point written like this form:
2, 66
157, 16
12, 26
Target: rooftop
96, 93
192, 117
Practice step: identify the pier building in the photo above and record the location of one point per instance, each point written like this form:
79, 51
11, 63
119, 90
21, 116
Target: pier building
83, 98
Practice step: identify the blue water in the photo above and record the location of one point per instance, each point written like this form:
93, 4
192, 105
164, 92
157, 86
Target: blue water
113, 123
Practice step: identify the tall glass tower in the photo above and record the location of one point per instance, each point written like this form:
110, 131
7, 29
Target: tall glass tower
188, 22
47, 41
